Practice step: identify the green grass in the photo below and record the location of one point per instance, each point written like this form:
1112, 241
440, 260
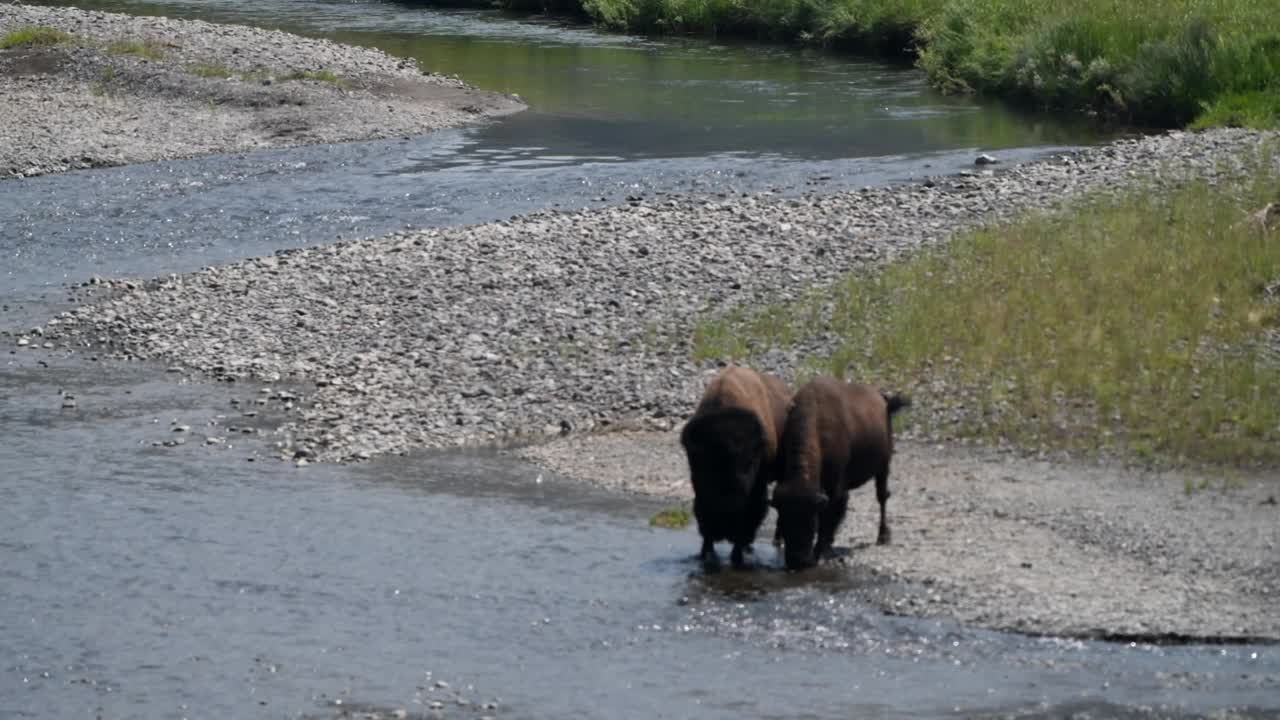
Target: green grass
325, 76
674, 518
1130, 325
149, 49
34, 36
210, 70
1153, 62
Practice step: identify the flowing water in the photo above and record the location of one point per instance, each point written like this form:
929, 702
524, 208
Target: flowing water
149, 569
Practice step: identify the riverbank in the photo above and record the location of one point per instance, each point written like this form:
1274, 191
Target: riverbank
81, 89
556, 321
1049, 547
565, 323
1148, 62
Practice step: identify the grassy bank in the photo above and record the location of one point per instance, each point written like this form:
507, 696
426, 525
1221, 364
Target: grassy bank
1136, 325
33, 37
1151, 62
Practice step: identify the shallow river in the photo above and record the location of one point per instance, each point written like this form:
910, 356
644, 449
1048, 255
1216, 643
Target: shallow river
140, 577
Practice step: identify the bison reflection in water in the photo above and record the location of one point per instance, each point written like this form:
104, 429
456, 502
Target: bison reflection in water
836, 438
731, 443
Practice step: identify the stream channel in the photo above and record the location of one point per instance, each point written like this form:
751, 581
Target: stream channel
143, 577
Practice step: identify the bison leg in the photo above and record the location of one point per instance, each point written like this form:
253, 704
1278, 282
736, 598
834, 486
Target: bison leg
736, 555
710, 560
828, 522
882, 497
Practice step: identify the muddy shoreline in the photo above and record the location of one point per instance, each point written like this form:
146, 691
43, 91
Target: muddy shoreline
117, 89
995, 540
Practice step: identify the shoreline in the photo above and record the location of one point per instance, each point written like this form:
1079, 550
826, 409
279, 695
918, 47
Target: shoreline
562, 322
115, 89
994, 540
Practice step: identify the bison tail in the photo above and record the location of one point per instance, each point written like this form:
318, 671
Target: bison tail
896, 402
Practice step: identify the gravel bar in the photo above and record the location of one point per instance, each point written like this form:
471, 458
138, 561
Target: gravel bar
556, 322
125, 89
563, 325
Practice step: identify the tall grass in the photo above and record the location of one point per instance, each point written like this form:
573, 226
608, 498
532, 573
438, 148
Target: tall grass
1134, 324
1154, 62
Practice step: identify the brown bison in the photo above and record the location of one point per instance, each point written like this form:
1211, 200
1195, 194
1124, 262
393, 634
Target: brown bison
731, 443
837, 437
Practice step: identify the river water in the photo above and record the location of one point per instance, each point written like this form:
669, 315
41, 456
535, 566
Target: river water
148, 568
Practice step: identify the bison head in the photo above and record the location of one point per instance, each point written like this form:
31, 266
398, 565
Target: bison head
798, 525
725, 450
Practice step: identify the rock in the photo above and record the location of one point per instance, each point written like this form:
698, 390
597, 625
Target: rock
985, 159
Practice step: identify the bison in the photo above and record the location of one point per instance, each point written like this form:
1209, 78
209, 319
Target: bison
731, 443
837, 437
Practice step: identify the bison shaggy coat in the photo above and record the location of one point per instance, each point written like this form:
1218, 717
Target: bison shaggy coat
731, 443
837, 437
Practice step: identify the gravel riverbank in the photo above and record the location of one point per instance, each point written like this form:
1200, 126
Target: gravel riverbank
117, 89
999, 541
558, 323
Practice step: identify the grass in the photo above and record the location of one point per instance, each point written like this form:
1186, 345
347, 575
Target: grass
149, 49
325, 76
1130, 325
210, 70
34, 36
673, 518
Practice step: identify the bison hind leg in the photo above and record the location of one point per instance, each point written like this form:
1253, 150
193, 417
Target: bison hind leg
882, 497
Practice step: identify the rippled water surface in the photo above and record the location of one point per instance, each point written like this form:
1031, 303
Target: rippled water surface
148, 568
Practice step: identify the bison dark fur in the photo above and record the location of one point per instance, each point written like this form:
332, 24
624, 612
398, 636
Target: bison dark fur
837, 437
731, 443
